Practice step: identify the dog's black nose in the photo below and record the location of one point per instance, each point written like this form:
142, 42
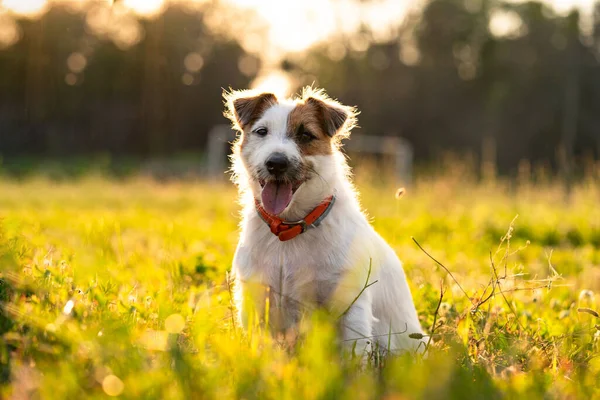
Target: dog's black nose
277, 163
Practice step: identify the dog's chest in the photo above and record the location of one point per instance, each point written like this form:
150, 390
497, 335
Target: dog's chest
306, 266
302, 258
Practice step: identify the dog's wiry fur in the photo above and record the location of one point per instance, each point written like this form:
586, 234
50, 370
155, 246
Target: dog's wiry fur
325, 266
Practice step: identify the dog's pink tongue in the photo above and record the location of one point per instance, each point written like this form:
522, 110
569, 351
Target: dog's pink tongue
276, 196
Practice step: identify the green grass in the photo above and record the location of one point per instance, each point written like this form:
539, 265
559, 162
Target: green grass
120, 288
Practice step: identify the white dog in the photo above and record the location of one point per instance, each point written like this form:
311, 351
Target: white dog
305, 242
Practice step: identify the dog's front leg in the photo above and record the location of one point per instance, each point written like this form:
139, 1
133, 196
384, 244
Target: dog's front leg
250, 300
254, 300
357, 328
284, 316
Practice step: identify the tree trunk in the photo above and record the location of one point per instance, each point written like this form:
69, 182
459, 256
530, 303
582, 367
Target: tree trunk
571, 106
154, 86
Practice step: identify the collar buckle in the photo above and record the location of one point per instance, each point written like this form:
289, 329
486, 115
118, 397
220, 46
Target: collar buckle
301, 223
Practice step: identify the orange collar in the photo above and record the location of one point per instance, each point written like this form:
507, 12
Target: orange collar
286, 230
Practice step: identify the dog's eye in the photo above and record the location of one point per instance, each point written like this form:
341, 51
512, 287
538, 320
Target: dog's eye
261, 131
306, 137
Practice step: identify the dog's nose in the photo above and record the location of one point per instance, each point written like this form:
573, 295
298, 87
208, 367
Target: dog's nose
277, 163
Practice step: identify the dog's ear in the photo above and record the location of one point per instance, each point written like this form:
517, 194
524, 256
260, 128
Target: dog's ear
244, 108
332, 114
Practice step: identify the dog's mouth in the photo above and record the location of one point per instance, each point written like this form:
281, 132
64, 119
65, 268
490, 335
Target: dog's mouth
276, 195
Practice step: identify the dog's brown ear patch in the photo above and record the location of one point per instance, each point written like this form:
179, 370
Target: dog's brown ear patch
332, 117
244, 109
307, 127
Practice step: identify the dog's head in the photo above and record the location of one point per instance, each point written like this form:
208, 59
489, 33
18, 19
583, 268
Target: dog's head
287, 147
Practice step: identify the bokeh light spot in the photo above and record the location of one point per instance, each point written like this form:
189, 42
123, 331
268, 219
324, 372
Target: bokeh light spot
359, 43
409, 55
253, 43
76, 62
112, 385
115, 23
101, 372
128, 34
505, 24
10, 32
193, 62
248, 65
98, 19
71, 79
187, 79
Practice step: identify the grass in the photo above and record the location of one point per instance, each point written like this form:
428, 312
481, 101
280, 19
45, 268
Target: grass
119, 288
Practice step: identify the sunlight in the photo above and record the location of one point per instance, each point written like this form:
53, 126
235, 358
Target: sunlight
75, 6
26, 8
146, 8
275, 82
116, 23
505, 24
564, 6
292, 26
295, 26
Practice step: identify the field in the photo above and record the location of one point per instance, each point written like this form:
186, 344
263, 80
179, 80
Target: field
119, 288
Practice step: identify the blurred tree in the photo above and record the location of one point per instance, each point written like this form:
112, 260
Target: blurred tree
66, 90
505, 81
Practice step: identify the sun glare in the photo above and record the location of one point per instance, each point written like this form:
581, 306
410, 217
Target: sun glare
290, 26
146, 8
295, 26
26, 8
275, 82
505, 23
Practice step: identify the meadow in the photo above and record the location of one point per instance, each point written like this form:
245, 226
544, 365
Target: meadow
119, 287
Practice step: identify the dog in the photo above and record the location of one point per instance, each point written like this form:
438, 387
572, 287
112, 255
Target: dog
305, 242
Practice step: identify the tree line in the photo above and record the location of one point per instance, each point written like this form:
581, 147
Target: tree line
444, 81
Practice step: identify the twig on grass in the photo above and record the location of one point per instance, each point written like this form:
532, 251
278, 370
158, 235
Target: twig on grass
443, 266
495, 280
435, 316
502, 292
365, 286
